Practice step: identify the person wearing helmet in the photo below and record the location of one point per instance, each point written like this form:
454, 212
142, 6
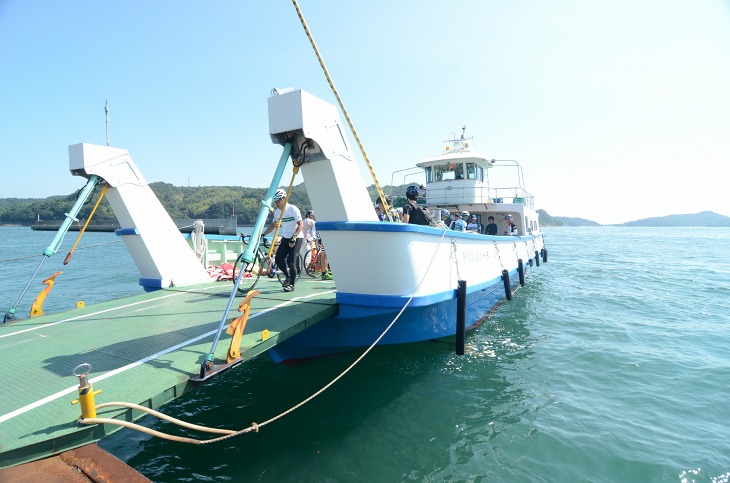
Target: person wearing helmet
412, 213
380, 209
510, 229
292, 237
458, 224
445, 216
472, 224
491, 228
309, 230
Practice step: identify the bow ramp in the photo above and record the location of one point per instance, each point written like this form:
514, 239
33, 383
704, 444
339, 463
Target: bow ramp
161, 255
334, 183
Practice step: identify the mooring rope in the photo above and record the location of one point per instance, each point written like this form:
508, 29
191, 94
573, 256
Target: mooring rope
254, 427
496, 248
386, 205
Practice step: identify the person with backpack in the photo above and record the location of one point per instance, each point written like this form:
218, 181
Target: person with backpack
412, 213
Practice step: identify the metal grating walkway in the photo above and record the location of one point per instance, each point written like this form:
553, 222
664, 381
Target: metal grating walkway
142, 349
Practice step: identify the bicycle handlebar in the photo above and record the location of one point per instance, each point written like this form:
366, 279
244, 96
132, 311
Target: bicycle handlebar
246, 239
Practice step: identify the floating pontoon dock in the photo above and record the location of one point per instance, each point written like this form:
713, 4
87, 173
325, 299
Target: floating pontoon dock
142, 349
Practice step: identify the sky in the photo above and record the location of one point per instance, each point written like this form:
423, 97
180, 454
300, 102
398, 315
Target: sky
616, 110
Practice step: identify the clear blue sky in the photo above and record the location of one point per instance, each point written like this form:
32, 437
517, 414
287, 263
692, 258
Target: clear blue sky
617, 110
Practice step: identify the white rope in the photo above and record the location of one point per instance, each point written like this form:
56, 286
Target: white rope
455, 258
498, 255
254, 426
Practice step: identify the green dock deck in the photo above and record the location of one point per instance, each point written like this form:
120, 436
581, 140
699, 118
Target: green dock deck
142, 349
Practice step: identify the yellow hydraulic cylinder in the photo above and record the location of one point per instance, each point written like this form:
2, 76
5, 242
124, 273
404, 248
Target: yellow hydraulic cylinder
86, 392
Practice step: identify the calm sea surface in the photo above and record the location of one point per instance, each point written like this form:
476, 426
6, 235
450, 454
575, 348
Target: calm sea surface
612, 364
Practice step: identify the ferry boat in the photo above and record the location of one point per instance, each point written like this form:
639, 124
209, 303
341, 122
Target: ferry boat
407, 273
394, 283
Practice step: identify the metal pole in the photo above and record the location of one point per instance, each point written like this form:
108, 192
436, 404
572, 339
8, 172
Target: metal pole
106, 111
83, 197
248, 254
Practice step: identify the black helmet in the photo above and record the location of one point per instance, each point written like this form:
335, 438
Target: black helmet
412, 192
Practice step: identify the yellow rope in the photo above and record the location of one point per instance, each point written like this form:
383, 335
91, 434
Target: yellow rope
344, 111
78, 239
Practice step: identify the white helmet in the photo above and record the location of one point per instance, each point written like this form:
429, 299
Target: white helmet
465, 214
279, 195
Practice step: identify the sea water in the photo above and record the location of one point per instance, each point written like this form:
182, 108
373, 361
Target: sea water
611, 364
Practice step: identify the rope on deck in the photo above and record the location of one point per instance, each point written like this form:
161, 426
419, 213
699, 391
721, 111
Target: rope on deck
254, 427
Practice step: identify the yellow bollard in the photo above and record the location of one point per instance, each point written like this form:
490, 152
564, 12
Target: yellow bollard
86, 391
80, 304
264, 334
37, 308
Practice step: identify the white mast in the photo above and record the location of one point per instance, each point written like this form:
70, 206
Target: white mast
106, 112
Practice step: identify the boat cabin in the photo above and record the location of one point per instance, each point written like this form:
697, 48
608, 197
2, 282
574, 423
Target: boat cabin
460, 179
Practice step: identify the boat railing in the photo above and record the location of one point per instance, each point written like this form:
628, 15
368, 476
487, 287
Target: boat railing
451, 195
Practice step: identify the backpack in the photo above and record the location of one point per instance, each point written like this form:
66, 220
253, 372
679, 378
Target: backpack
429, 217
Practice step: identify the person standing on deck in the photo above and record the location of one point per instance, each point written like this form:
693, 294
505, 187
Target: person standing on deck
491, 227
473, 225
458, 224
291, 238
309, 230
413, 213
510, 229
446, 215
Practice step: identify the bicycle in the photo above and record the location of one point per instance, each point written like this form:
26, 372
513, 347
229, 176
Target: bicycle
257, 267
280, 274
311, 261
254, 269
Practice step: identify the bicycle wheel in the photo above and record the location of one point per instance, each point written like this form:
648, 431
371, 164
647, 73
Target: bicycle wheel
310, 263
251, 274
298, 263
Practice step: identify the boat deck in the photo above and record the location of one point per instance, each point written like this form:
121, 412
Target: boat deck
142, 349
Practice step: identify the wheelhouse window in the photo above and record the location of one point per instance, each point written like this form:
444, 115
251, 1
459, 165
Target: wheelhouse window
474, 171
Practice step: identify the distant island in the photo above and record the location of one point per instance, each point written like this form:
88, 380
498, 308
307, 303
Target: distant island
703, 219
222, 202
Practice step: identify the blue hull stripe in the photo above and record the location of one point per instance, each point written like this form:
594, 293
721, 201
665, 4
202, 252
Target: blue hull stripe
419, 323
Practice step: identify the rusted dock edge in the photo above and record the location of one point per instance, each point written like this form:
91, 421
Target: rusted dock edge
84, 464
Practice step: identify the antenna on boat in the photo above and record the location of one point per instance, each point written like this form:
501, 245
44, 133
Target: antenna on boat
463, 131
106, 112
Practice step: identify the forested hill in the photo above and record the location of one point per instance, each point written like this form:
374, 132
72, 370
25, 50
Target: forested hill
547, 220
706, 218
211, 202
181, 202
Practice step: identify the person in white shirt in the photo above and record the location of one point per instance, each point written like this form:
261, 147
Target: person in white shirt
310, 230
473, 225
291, 237
510, 229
